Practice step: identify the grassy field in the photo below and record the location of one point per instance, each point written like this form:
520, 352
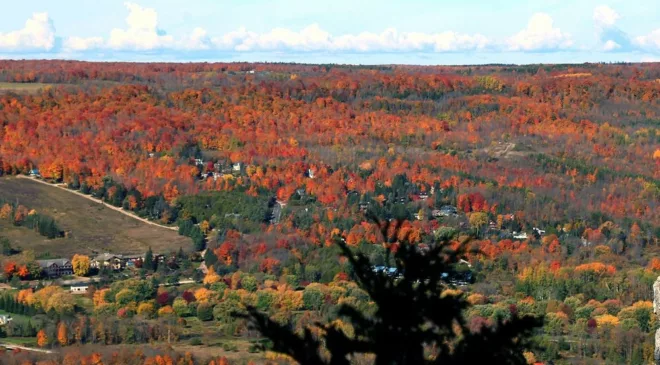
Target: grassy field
90, 226
14, 315
22, 341
17, 87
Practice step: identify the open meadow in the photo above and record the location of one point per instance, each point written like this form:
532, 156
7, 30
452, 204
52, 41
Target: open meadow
90, 226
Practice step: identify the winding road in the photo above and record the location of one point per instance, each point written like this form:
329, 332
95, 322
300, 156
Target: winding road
118, 209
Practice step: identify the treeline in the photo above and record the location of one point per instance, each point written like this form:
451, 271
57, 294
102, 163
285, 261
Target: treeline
21, 216
10, 304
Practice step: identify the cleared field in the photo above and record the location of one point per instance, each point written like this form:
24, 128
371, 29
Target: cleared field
17, 87
90, 226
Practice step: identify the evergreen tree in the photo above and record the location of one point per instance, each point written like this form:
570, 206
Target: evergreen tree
210, 258
15, 282
6, 246
149, 260
411, 318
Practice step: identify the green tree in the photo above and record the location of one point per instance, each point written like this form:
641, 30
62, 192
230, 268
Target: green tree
313, 298
249, 283
7, 250
149, 263
181, 307
204, 311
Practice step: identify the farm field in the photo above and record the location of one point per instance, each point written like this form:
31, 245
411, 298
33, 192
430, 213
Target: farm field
90, 226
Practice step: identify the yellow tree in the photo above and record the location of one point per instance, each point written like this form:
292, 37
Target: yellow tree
80, 265
205, 226
478, 220
62, 334
6, 211
211, 276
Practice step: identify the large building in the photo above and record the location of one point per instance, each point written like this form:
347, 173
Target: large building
56, 267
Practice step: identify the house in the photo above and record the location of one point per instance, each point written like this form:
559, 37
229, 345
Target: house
538, 231
310, 173
79, 289
389, 271
445, 211
237, 167
116, 262
4, 319
56, 267
199, 162
520, 235
460, 274
464, 262
133, 261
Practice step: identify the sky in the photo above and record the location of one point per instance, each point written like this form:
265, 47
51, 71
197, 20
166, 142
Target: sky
336, 31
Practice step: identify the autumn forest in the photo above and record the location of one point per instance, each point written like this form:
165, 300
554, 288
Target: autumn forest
550, 173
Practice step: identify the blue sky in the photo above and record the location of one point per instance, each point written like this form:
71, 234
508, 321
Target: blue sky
338, 31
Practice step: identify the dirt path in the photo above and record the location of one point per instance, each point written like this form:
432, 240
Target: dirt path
23, 348
120, 210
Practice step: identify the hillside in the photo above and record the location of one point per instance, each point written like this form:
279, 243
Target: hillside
550, 172
89, 225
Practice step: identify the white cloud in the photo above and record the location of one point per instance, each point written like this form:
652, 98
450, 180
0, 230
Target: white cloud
539, 35
37, 34
604, 16
314, 38
391, 40
83, 44
651, 40
311, 38
230, 40
611, 45
198, 40
142, 33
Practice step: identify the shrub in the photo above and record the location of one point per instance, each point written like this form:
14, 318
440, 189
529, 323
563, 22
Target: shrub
205, 312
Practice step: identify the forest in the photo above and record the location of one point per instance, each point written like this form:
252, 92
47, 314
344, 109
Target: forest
552, 172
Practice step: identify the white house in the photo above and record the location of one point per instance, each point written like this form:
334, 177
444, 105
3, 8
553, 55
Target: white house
520, 235
79, 289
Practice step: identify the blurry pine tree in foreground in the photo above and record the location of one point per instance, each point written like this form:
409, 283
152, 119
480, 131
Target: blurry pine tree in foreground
414, 322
